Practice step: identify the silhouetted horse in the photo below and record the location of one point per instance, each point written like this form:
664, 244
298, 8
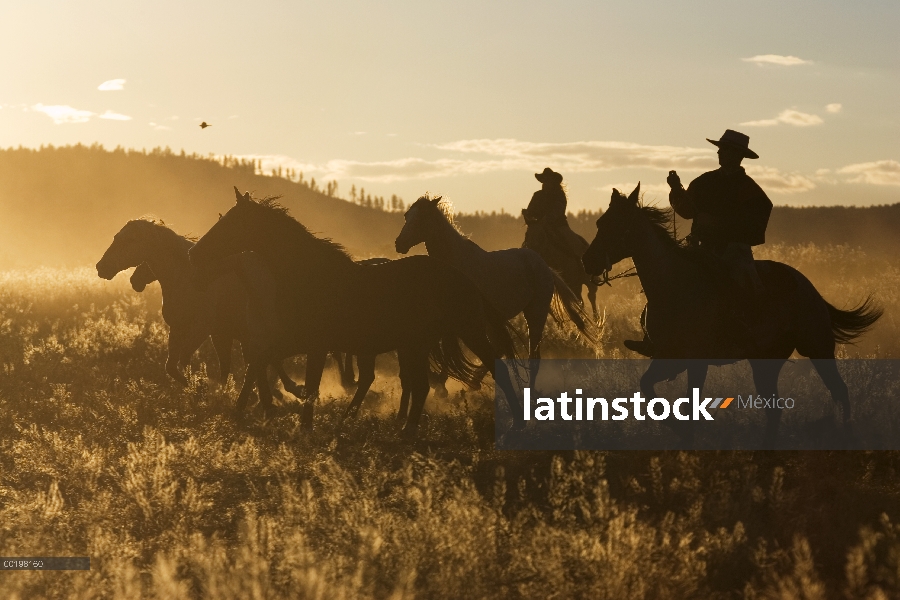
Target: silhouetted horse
690, 318
514, 281
193, 316
565, 260
417, 306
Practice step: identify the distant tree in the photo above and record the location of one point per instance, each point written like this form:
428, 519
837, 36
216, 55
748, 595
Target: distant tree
353, 193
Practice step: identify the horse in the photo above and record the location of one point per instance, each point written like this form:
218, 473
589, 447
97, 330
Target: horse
417, 305
690, 310
193, 315
562, 258
515, 281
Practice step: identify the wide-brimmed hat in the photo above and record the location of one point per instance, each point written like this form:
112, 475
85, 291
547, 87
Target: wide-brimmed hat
735, 139
548, 175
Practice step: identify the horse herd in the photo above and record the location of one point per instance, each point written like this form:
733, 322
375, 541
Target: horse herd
260, 277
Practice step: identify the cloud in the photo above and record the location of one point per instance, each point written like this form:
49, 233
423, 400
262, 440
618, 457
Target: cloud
114, 116
159, 127
789, 117
881, 172
772, 180
113, 85
833, 108
586, 156
61, 113
776, 59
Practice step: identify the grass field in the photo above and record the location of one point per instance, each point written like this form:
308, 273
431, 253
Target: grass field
102, 455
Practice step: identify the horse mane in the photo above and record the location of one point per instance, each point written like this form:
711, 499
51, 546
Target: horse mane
279, 212
444, 207
162, 229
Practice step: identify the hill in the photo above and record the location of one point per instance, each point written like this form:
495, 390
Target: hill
61, 206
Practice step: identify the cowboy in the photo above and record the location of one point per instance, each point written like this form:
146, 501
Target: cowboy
548, 204
730, 213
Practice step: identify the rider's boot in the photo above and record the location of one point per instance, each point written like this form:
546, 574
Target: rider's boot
644, 346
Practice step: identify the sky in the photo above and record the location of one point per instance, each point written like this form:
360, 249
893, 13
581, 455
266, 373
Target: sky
469, 99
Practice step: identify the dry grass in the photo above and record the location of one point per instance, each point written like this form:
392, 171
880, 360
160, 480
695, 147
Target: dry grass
101, 455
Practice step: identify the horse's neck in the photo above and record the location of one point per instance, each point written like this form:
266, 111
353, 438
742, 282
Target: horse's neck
656, 263
291, 257
170, 263
447, 244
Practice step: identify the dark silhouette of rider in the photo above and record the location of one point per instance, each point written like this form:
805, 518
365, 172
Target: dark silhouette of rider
548, 205
730, 213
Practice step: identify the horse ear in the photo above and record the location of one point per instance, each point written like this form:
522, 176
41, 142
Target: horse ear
436, 200
615, 194
634, 195
237, 193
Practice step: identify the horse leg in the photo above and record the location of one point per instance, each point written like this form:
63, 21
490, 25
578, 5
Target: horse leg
222, 346
289, 384
481, 346
662, 370
345, 367
536, 317
176, 344
403, 411
272, 381
765, 378
262, 387
416, 376
696, 378
315, 364
592, 298
366, 365
831, 377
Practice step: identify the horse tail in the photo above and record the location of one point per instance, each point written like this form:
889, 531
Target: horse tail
566, 302
847, 325
448, 357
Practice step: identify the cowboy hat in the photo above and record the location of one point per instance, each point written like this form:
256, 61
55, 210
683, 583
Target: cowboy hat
548, 175
735, 139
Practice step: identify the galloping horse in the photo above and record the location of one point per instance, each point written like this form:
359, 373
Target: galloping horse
689, 314
416, 305
564, 259
514, 281
193, 315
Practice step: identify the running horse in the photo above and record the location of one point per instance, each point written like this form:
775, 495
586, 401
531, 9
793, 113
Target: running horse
515, 281
218, 312
690, 317
327, 302
565, 259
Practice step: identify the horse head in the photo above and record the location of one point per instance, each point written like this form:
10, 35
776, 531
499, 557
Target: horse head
131, 246
614, 227
420, 222
231, 234
142, 277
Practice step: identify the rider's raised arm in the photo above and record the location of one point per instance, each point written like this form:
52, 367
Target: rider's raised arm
682, 203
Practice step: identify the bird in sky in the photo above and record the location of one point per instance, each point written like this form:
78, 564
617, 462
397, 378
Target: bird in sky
204, 125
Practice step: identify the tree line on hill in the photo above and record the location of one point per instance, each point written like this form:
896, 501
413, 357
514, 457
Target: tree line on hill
62, 205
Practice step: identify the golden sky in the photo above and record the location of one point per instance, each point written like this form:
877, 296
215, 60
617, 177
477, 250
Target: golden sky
468, 99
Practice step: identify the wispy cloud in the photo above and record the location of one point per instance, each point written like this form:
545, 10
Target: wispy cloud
157, 127
881, 172
586, 155
61, 113
774, 181
776, 59
788, 117
113, 85
113, 116
833, 108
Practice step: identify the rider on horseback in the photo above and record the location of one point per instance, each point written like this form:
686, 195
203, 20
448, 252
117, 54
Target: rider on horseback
730, 213
548, 204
